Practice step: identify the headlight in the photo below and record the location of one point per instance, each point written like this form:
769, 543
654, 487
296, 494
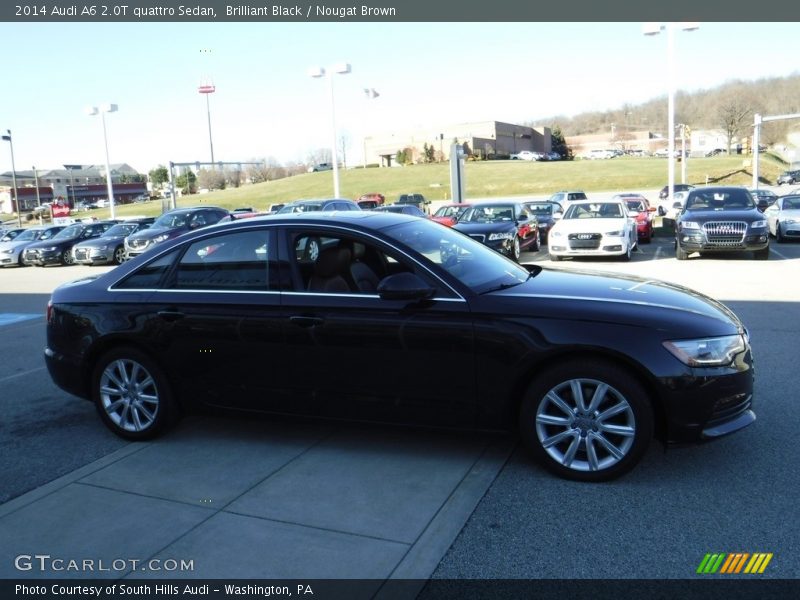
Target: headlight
50, 248
502, 236
758, 224
160, 238
790, 221
690, 225
706, 352
616, 233
6, 251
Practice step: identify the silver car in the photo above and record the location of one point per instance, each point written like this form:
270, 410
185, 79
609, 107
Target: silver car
783, 218
11, 251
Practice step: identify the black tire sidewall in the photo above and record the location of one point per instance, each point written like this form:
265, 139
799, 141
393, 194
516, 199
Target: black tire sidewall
618, 378
165, 414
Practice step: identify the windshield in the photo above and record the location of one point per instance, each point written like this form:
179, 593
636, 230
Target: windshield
70, 232
28, 235
299, 208
635, 205
476, 266
172, 220
121, 229
719, 200
540, 209
488, 214
594, 210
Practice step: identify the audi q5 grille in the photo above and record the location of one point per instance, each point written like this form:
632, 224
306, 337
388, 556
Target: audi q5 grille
725, 233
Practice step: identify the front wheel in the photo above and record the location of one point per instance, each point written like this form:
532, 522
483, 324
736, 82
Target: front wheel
119, 255
586, 420
515, 251
131, 394
66, 257
680, 253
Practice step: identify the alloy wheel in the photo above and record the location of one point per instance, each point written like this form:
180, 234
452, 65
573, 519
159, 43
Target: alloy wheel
585, 425
128, 395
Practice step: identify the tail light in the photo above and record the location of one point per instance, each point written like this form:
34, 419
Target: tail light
49, 312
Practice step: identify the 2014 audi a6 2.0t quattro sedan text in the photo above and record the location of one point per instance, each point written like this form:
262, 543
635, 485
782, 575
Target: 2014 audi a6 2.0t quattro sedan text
587, 367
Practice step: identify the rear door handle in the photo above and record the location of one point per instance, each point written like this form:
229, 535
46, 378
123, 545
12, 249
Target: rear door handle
304, 321
171, 315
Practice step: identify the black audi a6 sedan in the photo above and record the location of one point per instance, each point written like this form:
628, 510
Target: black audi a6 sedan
587, 367
721, 219
507, 227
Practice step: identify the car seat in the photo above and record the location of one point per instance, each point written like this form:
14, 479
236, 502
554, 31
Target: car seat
329, 268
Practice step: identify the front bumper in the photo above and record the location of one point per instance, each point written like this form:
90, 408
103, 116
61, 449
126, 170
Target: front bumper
40, 259
696, 241
92, 256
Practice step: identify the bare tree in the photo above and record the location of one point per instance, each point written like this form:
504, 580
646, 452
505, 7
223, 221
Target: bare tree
211, 179
734, 112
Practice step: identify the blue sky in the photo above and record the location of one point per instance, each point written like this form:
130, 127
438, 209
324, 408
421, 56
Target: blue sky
427, 74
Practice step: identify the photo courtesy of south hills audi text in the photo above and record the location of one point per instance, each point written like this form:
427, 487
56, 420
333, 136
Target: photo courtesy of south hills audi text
124, 590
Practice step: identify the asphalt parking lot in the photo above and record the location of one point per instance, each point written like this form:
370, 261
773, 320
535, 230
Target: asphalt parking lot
378, 503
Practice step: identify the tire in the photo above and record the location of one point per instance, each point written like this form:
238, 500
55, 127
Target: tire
66, 257
537, 243
119, 255
515, 251
313, 247
761, 254
779, 237
627, 256
137, 412
586, 420
680, 253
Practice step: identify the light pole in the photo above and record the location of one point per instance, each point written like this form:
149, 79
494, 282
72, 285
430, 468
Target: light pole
317, 72
655, 29
71, 184
207, 88
91, 111
36, 179
14, 176
369, 94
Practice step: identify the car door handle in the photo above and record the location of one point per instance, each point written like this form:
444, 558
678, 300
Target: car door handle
304, 321
171, 315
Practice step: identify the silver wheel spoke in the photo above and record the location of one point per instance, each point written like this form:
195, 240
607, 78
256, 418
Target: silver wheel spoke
612, 449
591, 454
559, 437
137, 422
597, 397
623, 430
571, 451
614, 410
577, 394
149, 415
553, 397
552, 420
123, 417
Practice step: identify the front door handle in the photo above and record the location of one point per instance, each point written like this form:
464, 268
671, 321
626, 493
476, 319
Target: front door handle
304, 321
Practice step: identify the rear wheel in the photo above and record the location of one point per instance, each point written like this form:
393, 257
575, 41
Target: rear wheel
131, 394
586, 420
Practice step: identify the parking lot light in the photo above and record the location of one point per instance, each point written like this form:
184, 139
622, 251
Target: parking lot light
14, 176
91, 111
651, 29
317, 73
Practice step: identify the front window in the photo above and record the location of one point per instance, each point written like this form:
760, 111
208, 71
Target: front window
635, 205
594, 210
29, 235
171, 220
488, 214
70, 232
121, 229
475, 265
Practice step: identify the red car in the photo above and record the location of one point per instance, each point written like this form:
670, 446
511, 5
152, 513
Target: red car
449, 213
370, 201
644, 220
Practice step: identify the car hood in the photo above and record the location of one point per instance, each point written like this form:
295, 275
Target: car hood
625, 299
791, 213
53, 242
749, 214
589, 225
152, 232
101, 241
497, 227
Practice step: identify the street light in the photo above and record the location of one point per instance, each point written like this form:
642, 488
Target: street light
655, 29
91, 111
207, 88
318, 72
369, 94
36, 179
14, 176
